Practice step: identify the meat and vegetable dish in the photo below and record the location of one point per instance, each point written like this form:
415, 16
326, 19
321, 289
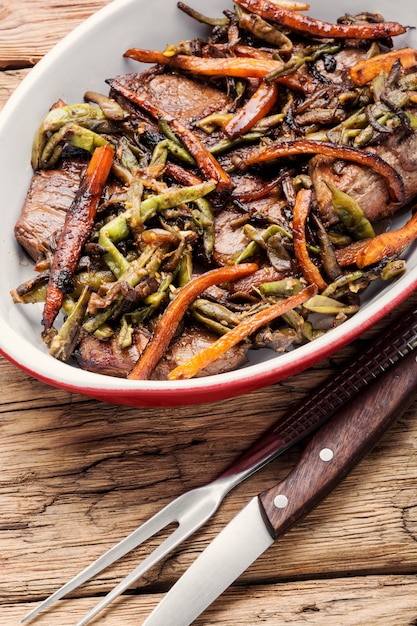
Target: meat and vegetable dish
235, 195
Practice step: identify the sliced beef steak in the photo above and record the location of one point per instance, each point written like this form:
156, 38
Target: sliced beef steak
364, 185
184, 98
105, 357
50, 195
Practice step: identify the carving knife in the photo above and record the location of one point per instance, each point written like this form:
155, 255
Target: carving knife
329, 456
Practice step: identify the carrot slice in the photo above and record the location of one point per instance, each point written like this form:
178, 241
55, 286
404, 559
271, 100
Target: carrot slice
173, 314
208, 164
241, 67
347, 256
308, 146
237, 334
259, 105
77, 226
365, 71
388, 244
304, 24
248, 63
301, 210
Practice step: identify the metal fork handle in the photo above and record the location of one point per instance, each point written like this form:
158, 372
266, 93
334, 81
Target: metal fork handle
302, 420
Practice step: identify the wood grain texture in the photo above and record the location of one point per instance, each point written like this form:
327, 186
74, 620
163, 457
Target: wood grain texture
78, 475
27, 34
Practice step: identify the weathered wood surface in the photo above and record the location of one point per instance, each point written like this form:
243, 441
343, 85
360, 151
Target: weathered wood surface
78, 475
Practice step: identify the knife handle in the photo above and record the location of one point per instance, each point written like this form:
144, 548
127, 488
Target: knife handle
339, 445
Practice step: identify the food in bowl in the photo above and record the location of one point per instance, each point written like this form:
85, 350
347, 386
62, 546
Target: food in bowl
230, 198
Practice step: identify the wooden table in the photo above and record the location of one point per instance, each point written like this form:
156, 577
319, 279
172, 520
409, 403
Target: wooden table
78, 475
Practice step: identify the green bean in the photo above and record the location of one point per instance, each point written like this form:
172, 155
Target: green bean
74, 134
328, 306
173, 197
327, 251
125, 334
346, 280
94, 323
111, 109
133, 202
263, 30
213, 121
214, 315
249, 251
228, 144
308, 55
64, 342
210, 21
299, 324
204, 219
93, 279
393, 269
185, 269
283, 288
58, 117
413, 120
109, 234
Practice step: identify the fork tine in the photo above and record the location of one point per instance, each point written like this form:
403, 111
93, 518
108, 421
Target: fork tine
171, 542
153, 525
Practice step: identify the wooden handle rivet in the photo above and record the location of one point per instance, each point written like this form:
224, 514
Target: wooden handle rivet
326, 454
280, 501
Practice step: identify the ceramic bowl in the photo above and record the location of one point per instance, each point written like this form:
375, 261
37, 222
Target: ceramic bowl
83, 60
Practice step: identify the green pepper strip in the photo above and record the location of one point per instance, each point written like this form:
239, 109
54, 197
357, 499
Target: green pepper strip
116, 230
146, 265
343, 281
63, 343
58, 117
259, 239
351, 214
328, 306
310, 54
282, 288
204, 219
173, 197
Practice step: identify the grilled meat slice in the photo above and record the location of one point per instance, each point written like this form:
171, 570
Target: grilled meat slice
105, 357
184, 98
364, 185
50, 195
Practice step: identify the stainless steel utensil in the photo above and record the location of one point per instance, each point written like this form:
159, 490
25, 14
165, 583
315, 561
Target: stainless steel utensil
330, 455
192, 509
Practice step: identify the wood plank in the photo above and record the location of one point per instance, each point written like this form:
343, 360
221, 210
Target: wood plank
9, 81
27, 34
79, 477
371, 600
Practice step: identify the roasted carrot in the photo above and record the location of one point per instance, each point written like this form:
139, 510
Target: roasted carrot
174, 313
180, 174
317, 28
254, 109
348, 254
388, 244
364, 71
243, 67
300, 213
77, 226
208, 164
239, 333
308, 146
248, 63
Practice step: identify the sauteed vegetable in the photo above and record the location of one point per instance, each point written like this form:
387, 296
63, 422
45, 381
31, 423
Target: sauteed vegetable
234, 196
